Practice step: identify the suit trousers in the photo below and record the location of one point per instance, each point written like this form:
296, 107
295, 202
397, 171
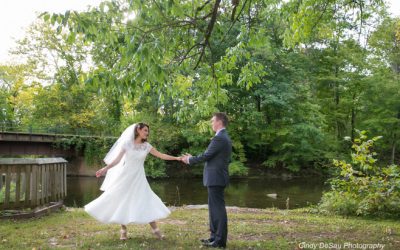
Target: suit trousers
217, 214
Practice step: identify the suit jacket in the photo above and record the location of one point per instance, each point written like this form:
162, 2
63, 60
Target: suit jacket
217, 158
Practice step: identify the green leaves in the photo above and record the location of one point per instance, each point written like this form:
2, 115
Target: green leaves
294, 76
251, 74
46, 16
374, 189
317, 20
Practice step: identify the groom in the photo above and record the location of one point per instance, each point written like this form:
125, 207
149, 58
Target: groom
216, 178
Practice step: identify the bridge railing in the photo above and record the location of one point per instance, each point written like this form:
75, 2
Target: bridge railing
58, 130
30, 183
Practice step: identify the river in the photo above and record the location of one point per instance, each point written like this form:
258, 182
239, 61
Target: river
242, 192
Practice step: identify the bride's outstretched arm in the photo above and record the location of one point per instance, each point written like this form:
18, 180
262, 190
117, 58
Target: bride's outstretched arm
104, 170
154, 152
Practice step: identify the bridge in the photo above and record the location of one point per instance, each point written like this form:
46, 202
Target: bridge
28, 140
21, 143
36, 182
26, 144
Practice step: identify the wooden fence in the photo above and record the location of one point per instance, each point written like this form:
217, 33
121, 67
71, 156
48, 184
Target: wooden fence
30, 183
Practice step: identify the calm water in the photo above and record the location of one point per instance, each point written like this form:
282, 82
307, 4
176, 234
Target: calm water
247, 192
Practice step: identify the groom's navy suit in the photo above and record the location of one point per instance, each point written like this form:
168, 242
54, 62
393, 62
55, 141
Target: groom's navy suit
216, 178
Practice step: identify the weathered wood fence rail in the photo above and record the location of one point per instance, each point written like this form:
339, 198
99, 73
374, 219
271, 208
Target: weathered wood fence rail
30, 183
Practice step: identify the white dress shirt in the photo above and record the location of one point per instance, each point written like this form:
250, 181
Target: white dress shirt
219, 131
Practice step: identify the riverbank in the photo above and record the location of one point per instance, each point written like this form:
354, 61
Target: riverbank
78, 167
249, 228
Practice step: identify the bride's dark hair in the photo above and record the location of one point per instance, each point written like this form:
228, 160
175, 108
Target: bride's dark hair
141, 125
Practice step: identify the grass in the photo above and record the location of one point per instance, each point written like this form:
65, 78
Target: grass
248, 229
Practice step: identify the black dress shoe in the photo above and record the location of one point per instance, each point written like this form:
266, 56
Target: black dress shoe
214, 245
206, 240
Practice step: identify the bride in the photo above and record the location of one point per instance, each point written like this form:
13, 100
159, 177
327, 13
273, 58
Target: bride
127, 196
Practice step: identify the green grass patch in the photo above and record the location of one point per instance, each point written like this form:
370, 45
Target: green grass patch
248, 229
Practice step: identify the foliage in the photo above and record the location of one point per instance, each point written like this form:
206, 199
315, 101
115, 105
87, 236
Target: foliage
316, 20
155, 168
13, 187
93, 148
382, 111
295, 77
3, 191
362, 187
237, 168
12, 82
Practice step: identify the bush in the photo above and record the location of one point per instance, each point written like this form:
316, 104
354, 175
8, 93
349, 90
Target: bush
94, 148
155, 167
362, 187
237, 168
343, 203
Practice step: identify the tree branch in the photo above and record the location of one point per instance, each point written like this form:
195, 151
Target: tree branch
209, 30
187, 53
202, 7
235, 4
236, 19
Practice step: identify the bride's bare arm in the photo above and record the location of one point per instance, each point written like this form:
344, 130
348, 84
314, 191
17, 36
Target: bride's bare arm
102, 171
154, 152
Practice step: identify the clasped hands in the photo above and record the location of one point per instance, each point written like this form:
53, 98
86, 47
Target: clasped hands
185, 158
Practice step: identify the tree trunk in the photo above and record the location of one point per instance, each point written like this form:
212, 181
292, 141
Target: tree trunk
337, 99
258, 103
393, 157
336, 89
393, 150
353, 119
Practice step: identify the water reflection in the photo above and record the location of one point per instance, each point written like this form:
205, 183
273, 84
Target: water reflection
241, 192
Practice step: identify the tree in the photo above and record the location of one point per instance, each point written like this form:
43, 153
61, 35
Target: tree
382, 109
295, 77
12, 82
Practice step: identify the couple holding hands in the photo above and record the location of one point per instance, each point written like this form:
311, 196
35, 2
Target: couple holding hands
128, 198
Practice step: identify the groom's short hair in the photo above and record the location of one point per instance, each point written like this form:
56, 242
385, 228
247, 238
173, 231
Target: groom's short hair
221, 116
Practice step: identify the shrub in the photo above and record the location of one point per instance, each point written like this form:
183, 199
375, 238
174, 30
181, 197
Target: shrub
362, 187
237, 168
343, 203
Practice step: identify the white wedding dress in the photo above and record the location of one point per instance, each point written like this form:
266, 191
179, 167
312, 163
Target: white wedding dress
127, 196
